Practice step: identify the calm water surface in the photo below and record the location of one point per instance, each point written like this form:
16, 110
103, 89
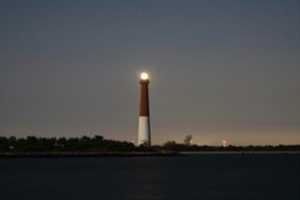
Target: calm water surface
205, 176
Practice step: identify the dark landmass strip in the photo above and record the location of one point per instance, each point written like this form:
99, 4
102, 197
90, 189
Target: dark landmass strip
85, 154
98, 146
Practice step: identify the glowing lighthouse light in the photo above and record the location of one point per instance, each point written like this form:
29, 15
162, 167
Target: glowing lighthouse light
144, 76
144, 129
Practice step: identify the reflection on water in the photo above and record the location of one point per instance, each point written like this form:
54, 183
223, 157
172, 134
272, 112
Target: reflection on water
207, 176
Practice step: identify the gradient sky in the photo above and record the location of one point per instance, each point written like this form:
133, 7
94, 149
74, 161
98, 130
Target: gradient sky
219, 69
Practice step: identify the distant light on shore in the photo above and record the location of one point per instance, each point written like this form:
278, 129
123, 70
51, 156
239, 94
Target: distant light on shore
224, 143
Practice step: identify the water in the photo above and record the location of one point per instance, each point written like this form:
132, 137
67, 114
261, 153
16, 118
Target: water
205, 176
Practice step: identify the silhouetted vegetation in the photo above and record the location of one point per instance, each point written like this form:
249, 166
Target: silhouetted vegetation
178, 147
99, 144
82, 144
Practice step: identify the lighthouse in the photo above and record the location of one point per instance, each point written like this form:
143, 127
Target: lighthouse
144, 129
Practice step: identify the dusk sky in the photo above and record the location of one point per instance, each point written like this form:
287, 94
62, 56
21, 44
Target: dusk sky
219, 69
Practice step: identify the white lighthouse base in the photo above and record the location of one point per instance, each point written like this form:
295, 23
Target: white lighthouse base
144, 136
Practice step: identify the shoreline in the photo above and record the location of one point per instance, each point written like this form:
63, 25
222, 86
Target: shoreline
5, 155
85, 154
238, 152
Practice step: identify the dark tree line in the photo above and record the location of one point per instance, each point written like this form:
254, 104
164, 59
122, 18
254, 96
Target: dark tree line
179, 147
99, 144
41, 144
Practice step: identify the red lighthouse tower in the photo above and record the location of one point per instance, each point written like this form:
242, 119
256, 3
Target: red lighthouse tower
144, 129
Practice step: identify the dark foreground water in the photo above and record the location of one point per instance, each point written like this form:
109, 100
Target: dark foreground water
205, 176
